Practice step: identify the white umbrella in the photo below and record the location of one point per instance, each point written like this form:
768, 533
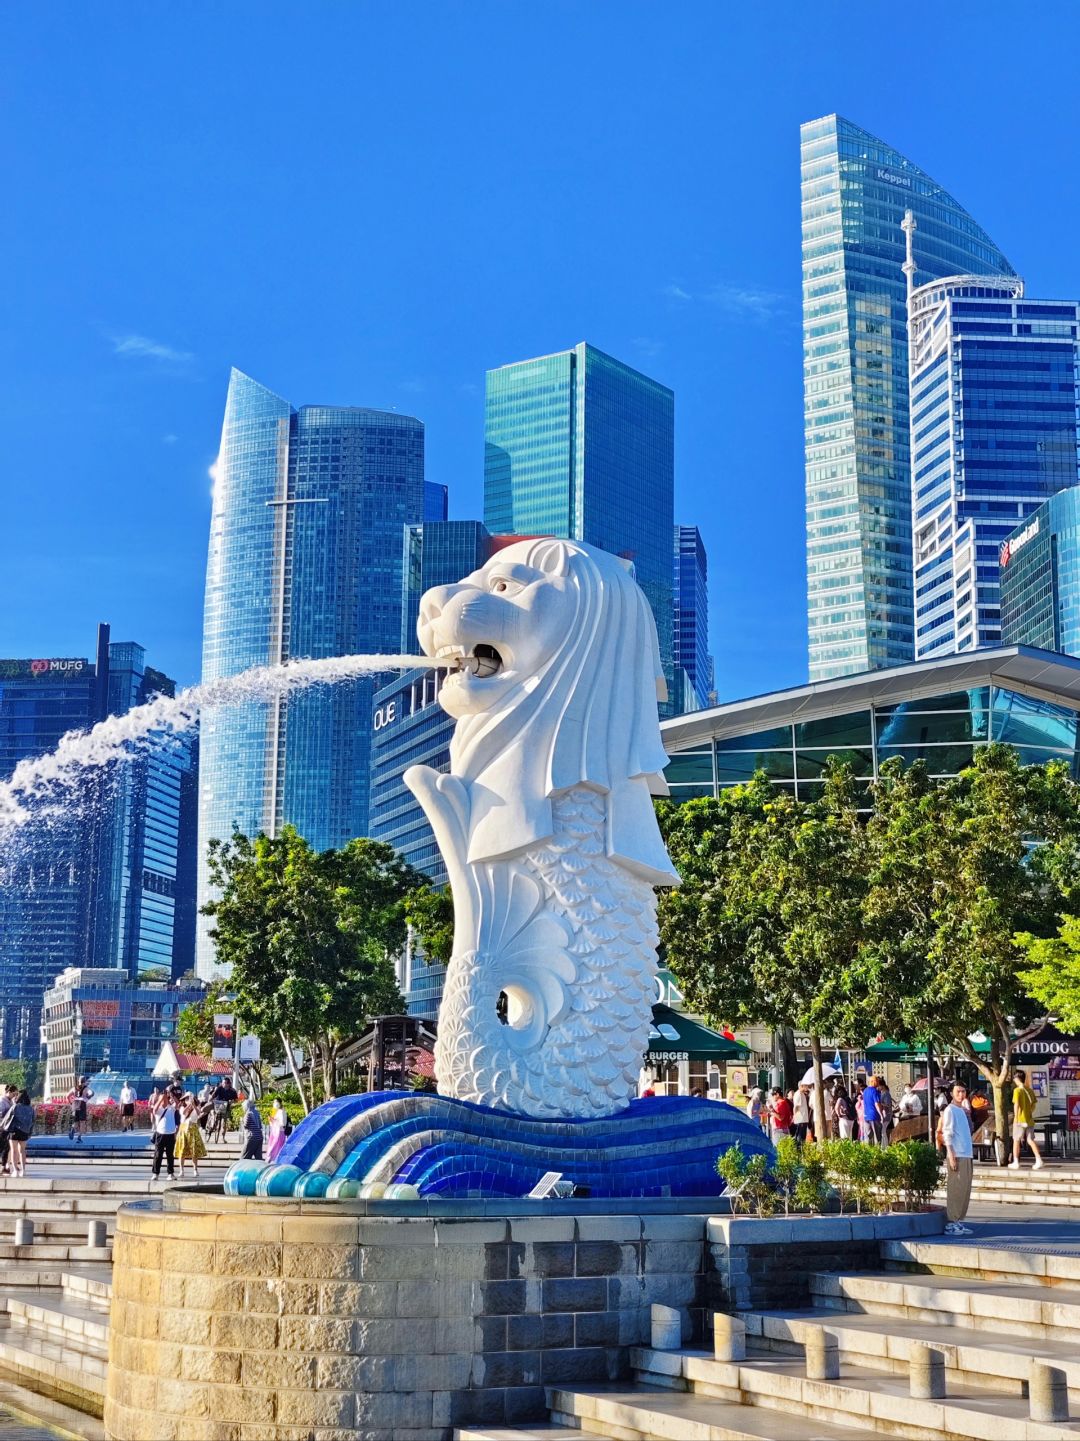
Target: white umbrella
827, 1070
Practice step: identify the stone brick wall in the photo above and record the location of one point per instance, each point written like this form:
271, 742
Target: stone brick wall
765, 1264
239, 1320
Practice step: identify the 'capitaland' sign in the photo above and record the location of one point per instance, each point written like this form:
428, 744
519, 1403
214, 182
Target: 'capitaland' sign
1010, 547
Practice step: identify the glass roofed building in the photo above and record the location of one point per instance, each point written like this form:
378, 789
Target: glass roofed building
938, 711
855, 191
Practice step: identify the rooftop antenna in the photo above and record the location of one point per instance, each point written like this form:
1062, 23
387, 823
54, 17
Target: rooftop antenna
907, 225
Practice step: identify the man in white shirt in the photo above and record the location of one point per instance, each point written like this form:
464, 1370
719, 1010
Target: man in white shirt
127, 1107
163, 1115
956, 1135
910, 1104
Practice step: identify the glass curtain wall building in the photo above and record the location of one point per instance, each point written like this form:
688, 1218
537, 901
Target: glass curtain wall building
102, 883
1040, 577
994, 434
305, 561
580, 445
693, 663
855, 191
938, 711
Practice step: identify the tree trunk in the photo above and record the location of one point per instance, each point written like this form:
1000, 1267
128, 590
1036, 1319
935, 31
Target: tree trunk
295, 1073
789, 1061
821, 1129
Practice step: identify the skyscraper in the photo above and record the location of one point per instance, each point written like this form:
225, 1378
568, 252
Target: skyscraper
1040, 577
101, 883
855, 191
691, 617
305, 561
995, 390
579, 445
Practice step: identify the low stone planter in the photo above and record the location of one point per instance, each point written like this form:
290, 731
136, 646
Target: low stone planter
764, 1264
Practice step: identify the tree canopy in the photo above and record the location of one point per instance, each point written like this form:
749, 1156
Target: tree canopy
309, 937
924, 919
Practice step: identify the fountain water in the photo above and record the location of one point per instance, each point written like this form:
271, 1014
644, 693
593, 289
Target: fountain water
41, 785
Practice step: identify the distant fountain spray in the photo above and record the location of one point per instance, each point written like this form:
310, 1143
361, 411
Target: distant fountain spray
41, 786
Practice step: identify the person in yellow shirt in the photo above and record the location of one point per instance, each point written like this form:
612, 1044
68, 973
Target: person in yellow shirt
1024, 1121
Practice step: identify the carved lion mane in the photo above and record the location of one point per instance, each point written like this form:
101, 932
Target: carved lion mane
584, 715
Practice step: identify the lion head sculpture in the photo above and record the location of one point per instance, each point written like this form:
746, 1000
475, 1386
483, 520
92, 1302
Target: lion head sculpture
553, 674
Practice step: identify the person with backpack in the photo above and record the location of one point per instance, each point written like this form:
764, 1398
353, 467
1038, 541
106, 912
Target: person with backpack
18, 1124
1023, 1100
79, 1098
843, 1109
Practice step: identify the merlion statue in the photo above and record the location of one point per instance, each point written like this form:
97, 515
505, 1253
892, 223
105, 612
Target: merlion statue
547, 828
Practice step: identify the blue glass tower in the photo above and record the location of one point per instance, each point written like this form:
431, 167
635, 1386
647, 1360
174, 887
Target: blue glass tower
580, 445
691, 617
994, 407
305, 561
855, 191
102, 884
1040, 577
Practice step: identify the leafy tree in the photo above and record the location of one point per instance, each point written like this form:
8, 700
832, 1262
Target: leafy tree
27, 1075
958, 869
1053, 975
309, 937
768, 921
195, 1023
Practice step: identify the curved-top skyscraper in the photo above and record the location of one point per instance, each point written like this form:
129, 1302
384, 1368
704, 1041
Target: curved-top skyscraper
855, 190
305, 561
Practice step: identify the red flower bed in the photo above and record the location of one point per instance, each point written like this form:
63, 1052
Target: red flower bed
53, 1118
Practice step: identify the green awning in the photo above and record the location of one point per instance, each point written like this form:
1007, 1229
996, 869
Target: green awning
675, 1037
914, 1052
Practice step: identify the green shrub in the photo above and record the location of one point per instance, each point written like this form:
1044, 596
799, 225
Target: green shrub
919, 1171
839, 1158
787, 1169
812, 1187
748, 1183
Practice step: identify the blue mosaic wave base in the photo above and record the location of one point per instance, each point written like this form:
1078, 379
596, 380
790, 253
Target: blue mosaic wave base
415, 1143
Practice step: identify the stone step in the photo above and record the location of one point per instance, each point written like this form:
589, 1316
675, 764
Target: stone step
31, 1409
635, 1413
1042, 1267
997, 1360
65, 1230
876, 1401
53, 1368
980, 1305
57, 1316
92, 1285
541, 1431
43, 1252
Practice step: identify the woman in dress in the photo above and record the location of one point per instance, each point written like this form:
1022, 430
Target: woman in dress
275, 1135
19, 1122
190, 1145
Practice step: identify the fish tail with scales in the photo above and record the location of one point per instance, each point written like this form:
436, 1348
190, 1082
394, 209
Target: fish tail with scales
591, 925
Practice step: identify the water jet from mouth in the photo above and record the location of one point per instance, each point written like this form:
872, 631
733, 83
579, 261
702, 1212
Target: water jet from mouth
42, 786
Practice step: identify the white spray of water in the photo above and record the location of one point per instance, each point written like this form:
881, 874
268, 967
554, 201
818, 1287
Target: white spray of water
41, 783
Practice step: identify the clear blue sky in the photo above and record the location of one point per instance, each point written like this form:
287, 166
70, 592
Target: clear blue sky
372, 204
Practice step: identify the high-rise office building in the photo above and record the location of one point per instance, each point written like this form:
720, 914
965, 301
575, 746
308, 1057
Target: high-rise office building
693, 664
1040, 577
579, 445
855, 191
102, 883
995, 391
305, 561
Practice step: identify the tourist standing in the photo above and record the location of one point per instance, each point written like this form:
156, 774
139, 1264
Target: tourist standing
190, 1145
1024, 1122
276, 1132
756, 1108
19, 1123
8, 1097
886, 1111
800, 1113
127, 1107
251, 1127
843, 1109
780, 1114
956, 1138
163, 1120
79, 1098
871, 1112
910, 1103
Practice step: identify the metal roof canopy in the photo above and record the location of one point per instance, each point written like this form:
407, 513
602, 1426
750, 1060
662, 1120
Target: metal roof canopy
1042, 674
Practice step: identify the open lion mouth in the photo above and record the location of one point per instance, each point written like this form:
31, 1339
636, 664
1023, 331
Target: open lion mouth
481, 660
